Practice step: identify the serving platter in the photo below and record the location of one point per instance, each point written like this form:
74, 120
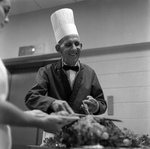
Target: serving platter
85, 147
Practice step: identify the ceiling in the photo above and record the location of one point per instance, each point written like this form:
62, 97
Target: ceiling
24, 6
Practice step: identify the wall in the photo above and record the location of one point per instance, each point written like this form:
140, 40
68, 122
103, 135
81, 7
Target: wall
101, 23
124, 73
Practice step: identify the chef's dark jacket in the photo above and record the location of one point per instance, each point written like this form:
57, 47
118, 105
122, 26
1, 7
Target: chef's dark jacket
52, 84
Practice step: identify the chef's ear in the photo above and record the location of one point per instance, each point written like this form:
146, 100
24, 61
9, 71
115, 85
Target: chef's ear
57, 47
81, 45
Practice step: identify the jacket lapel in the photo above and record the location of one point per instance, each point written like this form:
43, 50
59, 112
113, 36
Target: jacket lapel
77, 84
64, 80
71, 95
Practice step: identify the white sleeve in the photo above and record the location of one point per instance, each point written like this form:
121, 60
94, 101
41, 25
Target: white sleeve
3, 81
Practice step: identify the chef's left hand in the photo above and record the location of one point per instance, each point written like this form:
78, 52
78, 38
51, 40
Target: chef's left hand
92, 104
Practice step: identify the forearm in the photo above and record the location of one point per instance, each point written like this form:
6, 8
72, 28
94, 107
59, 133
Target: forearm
98, 94
102, 107
102, 103
12, 115
34, 100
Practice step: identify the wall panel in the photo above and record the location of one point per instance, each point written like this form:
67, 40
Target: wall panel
21, 81
129, 95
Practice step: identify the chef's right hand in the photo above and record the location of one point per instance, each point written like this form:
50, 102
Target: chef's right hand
61, 105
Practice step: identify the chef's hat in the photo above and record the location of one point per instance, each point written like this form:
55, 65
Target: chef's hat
63, 23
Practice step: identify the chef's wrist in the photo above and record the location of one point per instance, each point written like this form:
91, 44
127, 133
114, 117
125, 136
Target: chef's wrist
97, 108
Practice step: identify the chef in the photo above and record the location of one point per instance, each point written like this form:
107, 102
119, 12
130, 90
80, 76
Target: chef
68, 83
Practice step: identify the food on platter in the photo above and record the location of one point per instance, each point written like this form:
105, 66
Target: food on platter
90, 131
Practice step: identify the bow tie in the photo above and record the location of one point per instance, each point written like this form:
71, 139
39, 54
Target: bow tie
75, 68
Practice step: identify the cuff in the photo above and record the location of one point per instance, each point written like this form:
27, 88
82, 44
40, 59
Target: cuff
97, 109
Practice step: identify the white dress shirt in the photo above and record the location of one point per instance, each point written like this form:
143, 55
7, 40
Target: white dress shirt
71, 74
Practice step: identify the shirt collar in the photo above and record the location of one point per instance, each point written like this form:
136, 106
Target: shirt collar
76, 64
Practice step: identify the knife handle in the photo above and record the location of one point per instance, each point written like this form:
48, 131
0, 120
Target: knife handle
85, 108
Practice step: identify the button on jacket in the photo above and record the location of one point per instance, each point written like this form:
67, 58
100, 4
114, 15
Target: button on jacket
52, 84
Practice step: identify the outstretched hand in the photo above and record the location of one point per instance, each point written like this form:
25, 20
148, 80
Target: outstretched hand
36, 113
51, 123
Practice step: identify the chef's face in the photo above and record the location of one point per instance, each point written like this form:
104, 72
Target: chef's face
70, 48
4, 10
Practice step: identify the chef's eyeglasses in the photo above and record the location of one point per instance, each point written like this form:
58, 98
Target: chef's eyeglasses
70, 44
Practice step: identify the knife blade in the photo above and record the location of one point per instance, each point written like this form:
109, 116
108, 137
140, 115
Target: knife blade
97, 116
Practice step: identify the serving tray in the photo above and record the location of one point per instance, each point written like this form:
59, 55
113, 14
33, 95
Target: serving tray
87, 147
